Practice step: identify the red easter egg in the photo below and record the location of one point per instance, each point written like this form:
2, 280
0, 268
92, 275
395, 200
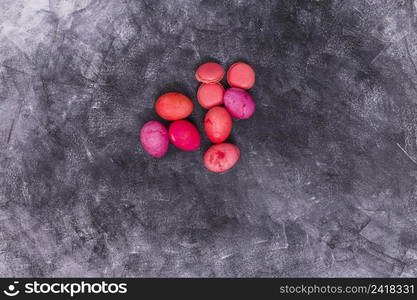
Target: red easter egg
241, 75
221, 157
218, 124
184, 135
209, 72
173, 106
210, 94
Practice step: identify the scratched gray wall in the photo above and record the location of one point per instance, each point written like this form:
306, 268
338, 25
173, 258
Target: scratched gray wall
326, 185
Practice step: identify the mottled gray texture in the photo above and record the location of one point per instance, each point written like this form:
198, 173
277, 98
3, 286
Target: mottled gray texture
326, 184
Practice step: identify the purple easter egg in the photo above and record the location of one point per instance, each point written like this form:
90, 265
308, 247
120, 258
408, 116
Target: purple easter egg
239, 103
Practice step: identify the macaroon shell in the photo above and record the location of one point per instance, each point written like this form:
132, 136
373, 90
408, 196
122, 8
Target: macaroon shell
184, 135
241, 75
154, 138
209, 72
173, 106
239, 103
221, 157
218, 124
210, 94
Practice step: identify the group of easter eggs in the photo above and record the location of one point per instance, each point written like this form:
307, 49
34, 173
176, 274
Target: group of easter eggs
222, 105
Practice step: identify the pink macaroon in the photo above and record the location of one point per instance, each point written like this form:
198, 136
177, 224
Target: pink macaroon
241, 75
209, 72
154, 138
239, 103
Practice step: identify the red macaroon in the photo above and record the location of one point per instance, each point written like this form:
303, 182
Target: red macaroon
221, 157
241, 75
210, 94
184, 135
218, 124
209, 72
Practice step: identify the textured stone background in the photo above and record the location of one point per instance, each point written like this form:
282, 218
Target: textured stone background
326, 185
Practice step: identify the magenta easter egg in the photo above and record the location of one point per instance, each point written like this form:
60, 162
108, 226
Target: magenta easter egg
239, 103
184, 135
154, 138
